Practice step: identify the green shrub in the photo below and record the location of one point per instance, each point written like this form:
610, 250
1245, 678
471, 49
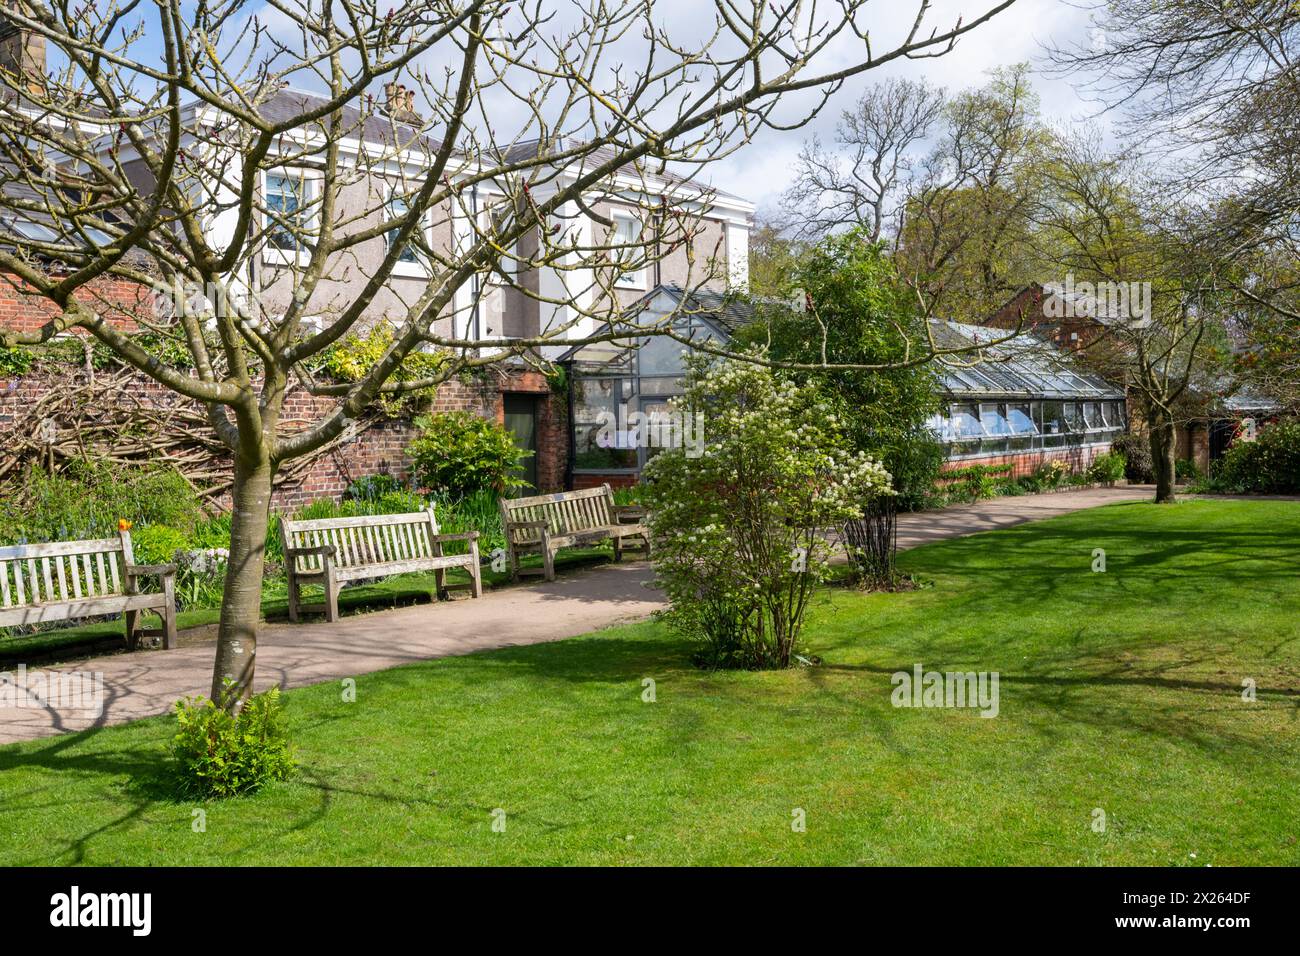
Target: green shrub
397, 503
372, 487
88, 499
1268, 465
460, 453
222, 754
1052, 474
355, 355
627, 496
1136, 450
1108, 467
974, 482
1185, 470
477, 512
157, 543
737, 533
16, 360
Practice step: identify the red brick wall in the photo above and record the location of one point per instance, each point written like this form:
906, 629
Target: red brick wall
584, 480
117, 300
381, 447
1026, 463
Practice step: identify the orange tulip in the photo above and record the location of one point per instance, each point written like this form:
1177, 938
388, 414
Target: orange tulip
123, 524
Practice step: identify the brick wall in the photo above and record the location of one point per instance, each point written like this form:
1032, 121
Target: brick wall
117, 300
381, 448
581, 481
1026, 463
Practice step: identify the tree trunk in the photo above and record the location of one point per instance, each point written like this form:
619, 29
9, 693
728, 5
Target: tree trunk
1164, 450
241, 606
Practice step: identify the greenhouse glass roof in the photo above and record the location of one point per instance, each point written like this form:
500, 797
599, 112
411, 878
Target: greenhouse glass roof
1020, 366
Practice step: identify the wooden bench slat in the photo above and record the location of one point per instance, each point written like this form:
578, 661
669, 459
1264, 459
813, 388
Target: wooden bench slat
366, 547
570, 517
60, 580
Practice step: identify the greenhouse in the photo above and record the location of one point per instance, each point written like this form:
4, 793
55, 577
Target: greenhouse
1020, 396
1018, 401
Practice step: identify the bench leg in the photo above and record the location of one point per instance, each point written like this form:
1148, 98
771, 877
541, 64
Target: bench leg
293, 597
440, 580
168, 612
548, 562
514, 561
331, 597
132, 625
475, 571
618, 548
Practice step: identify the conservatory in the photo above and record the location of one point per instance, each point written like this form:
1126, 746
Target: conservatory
619, 391
1020, 399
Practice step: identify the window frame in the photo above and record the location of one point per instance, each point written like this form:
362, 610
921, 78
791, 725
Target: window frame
310, 180
636, 279
416, 267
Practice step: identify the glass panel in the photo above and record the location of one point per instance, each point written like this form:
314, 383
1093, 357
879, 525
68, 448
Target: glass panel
1073, 417
398, 206
661, 355
597, 442
1053, 419
994, 419
1092, 415
1020, 419
965, 422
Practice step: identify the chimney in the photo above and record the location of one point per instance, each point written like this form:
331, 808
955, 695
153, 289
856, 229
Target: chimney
400, 105
22, 55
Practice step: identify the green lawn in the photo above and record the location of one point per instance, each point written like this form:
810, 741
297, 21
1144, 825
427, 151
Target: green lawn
1119, 691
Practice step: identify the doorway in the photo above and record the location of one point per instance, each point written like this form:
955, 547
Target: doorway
521, 422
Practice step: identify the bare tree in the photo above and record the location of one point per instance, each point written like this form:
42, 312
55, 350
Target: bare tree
1214, 88
1160, 299
859, 181
166, 145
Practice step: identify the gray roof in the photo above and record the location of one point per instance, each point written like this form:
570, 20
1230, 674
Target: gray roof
40, 225
374, 127
727, 312
535, 148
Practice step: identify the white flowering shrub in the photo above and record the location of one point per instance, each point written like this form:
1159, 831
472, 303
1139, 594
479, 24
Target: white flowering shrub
739, 532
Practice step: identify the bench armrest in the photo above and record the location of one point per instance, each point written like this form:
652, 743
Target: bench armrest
459, 536
161, 570
326, 550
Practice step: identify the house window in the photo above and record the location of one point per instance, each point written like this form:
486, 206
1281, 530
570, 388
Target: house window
627, 242
287, 199
398, 206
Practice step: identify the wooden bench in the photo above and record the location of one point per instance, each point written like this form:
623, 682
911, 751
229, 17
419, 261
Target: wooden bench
70, 579
330, 551
543, 524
